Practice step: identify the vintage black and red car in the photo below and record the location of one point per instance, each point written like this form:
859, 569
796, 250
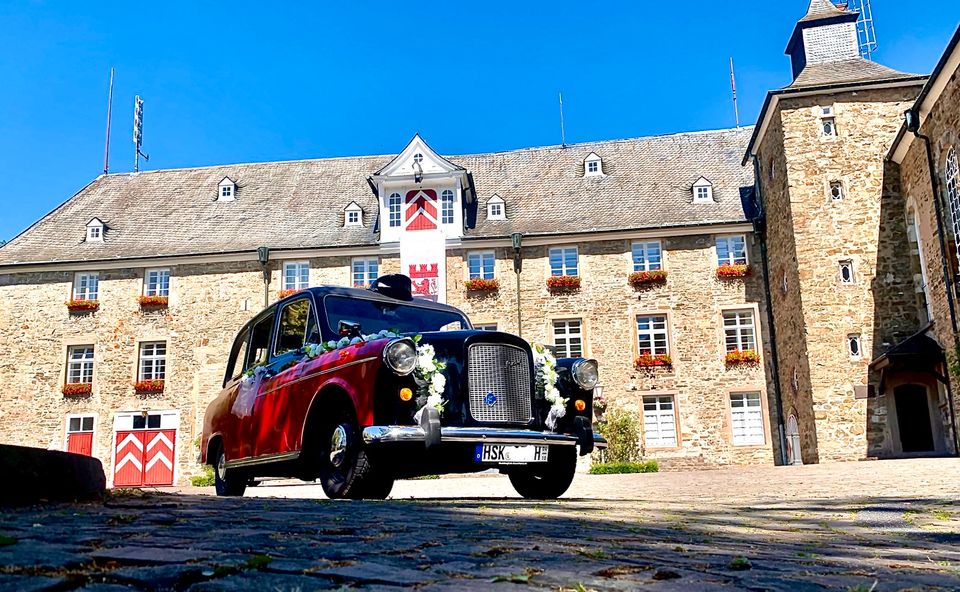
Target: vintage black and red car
356, 388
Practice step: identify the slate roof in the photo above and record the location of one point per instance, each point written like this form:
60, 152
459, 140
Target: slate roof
847, 71
299, 204
823, 9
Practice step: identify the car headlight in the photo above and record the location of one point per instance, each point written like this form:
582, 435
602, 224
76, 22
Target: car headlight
585, 373
400, 356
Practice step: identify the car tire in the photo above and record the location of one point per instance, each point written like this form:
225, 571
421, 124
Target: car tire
227, 482
549, 480
344, 464
375, 486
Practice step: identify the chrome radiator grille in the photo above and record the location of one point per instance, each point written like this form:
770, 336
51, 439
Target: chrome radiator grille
499, 378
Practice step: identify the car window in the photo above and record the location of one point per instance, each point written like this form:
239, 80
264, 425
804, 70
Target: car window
237, 354
260, 343
375, 316
297, 321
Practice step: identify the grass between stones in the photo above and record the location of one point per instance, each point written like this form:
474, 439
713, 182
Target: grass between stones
617, 468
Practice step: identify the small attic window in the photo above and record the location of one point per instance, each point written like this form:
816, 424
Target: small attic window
592, 165
95, 231
703, 191
226, 190
496, 208
353, 215
418, 158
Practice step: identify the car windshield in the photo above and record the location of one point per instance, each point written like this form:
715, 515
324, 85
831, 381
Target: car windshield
374, 316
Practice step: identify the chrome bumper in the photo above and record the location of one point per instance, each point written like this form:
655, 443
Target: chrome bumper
393, 434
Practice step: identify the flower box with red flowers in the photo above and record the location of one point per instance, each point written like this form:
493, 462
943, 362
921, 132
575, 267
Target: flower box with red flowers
747, 357
148, 386
83, 305
482, 285
642, 279
728, 271
648, 360
563, 283
291, 291
77, 389
154, 301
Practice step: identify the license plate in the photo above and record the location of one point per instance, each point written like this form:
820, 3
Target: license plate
504, 453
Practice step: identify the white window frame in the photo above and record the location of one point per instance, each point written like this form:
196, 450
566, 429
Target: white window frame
641, 255
353, 218
731, 256
80, 417
486, 327
296, 275
152, 362
162, 283
226, 192
847, 264
828, 115
702, 191
840, 191
95, 231
82, 281
660, 421
80, 364
739, 330
418, 158
656, 334
952, 177
855, 339
447, 211
482, 259
395, 210
366, 269
564, 269
746, 419
564, 331
593, 159
353, 215
496, 208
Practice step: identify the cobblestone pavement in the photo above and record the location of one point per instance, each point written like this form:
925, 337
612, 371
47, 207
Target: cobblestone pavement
894, 525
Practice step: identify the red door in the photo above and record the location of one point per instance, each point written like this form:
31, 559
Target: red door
158, 457
80, 443
128, 462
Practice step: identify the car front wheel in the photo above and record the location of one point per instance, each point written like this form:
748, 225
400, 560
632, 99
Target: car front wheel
549, 480
227, 481
344, 464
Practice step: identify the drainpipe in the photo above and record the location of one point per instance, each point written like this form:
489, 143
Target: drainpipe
517, 240
263, 255
760, 232
913, 125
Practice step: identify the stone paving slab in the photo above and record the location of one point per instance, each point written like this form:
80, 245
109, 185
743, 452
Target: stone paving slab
829, 527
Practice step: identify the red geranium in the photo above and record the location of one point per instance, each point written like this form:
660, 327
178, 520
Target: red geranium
728, 271
154, 301
82, 305
288, 292
746, 357
149, 386
482, 285
76, 389
640, 279
563, 283
648, 360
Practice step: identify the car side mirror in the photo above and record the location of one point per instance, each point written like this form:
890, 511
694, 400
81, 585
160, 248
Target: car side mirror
349, 329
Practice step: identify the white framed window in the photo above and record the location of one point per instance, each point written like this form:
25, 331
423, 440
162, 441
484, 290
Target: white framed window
647, 256
486, 327
86, 285
418, 158
952, 174
365, 271
226, 191
854, 346
77, 424
703, 191
828, 122
481, 265
846, 272
564, 261
95, 231
80, 434
496, 208
732, 250
393, 210
156, 282
568, 338
80, 364
659, 422
836, 190
353, 215
296, 275
446, 206
746, 418
703, 194
739, 330
592, 165
353, 218
652, 335
153, 361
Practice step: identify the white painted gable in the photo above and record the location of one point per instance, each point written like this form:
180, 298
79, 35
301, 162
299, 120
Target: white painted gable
417, 151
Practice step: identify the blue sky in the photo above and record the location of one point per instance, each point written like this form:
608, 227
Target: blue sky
253, 81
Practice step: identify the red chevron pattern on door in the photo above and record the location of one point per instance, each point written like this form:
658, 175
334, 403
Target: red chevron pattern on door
128, 468
146, 449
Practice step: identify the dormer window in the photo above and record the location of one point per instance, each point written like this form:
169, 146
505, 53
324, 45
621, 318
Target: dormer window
226, 190
418, 158
95, 229
353, 215
703, 191
496, 208
592, 165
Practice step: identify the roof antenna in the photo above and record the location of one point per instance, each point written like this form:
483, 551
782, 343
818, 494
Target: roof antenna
106, 145
733, 86
563, 136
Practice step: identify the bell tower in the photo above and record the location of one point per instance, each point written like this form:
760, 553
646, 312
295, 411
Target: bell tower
827, 33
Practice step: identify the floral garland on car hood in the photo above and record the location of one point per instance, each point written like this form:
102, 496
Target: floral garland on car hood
431, 382
545, 366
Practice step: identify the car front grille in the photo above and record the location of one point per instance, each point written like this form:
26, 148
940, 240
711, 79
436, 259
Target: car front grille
499, 376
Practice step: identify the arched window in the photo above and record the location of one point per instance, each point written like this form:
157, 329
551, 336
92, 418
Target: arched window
393, 206
953, 198
446, 202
